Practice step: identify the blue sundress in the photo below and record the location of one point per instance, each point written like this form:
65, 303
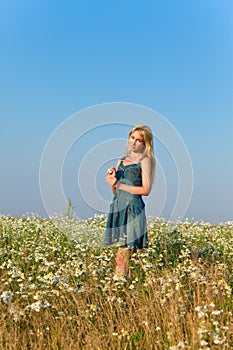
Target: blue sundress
126, 222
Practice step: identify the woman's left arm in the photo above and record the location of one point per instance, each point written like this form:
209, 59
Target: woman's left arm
143, 190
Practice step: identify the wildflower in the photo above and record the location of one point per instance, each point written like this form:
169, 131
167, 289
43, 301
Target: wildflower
203, 342
124, 332
6, 296
212, 304
38, 305
216, 339
35, 306
217, 312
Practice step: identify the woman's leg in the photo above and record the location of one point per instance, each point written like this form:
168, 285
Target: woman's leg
122, 260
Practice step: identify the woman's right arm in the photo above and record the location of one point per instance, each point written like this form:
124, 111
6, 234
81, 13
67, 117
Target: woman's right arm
111, 178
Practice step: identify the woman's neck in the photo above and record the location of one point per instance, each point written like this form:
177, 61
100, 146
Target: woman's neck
134, 157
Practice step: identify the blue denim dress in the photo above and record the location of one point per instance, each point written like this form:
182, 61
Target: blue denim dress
126, 223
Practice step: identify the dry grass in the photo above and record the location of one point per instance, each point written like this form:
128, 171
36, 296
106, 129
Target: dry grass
57, 288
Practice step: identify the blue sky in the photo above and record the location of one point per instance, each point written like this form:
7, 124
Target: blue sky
172, 56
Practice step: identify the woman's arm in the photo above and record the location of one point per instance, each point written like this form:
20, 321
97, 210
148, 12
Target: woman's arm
143, 190
111, 178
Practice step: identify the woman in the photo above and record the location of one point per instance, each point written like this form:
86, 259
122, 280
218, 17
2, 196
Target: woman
133, 178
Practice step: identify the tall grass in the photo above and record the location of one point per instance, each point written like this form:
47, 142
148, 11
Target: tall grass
58, 292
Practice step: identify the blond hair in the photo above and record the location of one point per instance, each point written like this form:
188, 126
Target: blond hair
147, 136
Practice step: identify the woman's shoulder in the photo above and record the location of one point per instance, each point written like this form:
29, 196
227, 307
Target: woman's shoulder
145, 162
145, 159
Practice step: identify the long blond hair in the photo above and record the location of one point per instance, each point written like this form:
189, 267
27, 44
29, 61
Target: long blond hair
147, 136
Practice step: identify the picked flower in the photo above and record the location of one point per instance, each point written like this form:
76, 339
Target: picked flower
110, 170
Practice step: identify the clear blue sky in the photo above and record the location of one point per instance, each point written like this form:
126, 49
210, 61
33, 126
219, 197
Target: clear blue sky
173, 56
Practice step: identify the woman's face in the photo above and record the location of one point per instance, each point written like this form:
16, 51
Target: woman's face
136, 142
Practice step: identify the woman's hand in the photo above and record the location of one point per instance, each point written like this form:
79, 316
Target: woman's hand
111, 176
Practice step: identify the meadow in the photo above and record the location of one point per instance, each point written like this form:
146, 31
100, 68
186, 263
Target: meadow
58, 290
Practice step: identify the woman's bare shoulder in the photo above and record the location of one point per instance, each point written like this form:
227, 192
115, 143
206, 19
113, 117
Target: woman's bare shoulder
146, 164
145, 160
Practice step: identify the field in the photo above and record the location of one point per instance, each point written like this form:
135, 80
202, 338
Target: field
57, 289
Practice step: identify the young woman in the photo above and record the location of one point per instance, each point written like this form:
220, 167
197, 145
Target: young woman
132, 179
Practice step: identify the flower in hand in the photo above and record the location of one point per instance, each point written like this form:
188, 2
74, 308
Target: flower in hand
111, 176
110, 170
